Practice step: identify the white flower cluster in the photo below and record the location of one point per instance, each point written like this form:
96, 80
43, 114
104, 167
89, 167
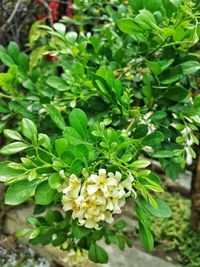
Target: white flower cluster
97, 198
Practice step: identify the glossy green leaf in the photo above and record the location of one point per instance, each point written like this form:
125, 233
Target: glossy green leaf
13, 148
57, 83
44, 194
97, 254
12, 134
7, 173
146, 237
55, 181
138, 164
129, 26
78, 120
19, 192
161, 211
29, 130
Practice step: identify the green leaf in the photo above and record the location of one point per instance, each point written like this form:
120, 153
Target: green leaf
53, 216
5, 58
19, 192
72, 136
121, 242
161, 211
78, 120
190, 67
129, 26
55, 181
143, 216
57, 83
36, 55
12, 134
158, 115
172, 78
56, 117
43, 140
23, 61
44, 194
13, 51
155, 67
79, 231
146, 237
163, 154
23, 232
76, 167
61, 145
176, 93
7, 173
29, 130
172, 169
153, 139
97, 254
146, 20
101, 84
13, 148
138, 164
6, 81
81, 152
119, 225
140, 131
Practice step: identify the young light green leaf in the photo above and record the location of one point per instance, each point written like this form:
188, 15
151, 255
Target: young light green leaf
163, 154
138, 164
23, 232
12, 134
55, 181
29, 130
13, 148
44, 141
7, 173
57, 83
19, 192
129, 26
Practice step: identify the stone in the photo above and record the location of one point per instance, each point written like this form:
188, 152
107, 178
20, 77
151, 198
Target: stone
131, 257
182, 184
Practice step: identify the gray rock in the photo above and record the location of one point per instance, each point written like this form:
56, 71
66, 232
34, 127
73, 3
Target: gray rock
131, 257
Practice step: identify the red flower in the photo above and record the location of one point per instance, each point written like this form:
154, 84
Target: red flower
53, 5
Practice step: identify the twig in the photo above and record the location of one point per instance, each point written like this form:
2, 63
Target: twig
12, 15
48, 9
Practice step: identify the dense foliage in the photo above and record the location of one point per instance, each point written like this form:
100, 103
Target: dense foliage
101, 94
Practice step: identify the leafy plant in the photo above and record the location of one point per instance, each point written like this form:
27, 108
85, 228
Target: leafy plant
175, 232
65, 171
111, 96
